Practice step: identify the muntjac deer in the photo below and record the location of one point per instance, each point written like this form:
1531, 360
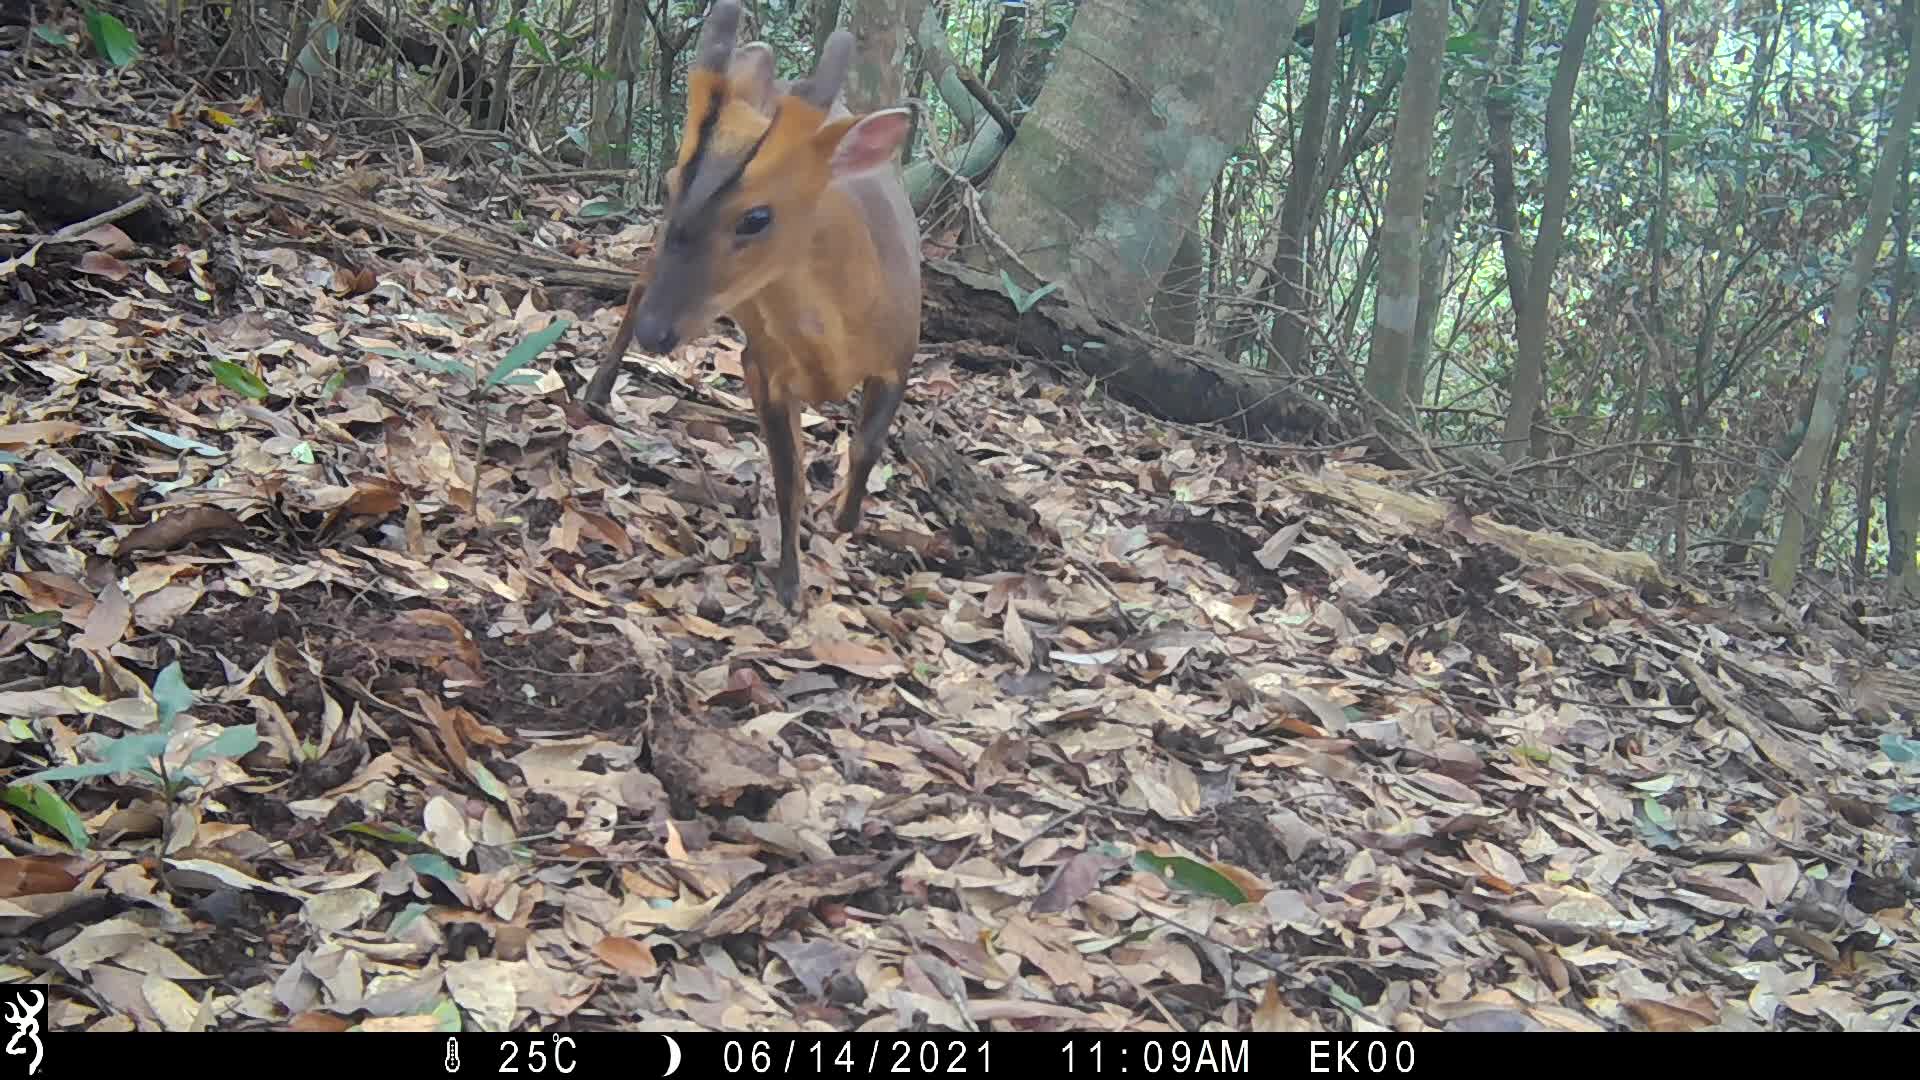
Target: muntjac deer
786, 212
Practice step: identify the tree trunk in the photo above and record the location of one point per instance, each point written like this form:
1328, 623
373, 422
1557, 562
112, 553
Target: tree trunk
1803, 485
1127, 136
1882, 381
603, 148
1396, 300
1529, 373
1280, 280
1176, 307
826, 17
1004, 53
1463, 149
1902, 483
1506, 215
878, 77
503, 72
1658, 345
1750, 510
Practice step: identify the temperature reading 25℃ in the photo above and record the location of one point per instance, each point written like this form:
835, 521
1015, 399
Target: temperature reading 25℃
536, 1056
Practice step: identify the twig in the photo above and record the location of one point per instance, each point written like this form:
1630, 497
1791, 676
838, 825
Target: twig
81, 228
567, 175
980, 94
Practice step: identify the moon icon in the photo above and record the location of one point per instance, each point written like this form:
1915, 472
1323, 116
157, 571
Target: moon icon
673, 1056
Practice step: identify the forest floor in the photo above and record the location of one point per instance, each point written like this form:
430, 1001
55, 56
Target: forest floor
1232, 753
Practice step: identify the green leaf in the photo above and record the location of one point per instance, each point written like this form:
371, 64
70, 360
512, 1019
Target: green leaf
233, 742
1466, 44
525, 32
1013, 291
384, 833
171, 693
127, 754
1899, 749
600, 208
302, 452
523, 354
1904, 804
238, 379
39, 619
112, 38
446, 1016
406, 916
52, 35
1533, 754
1038, 295
41, 802
489, 783
1190, 875
1343, 999
177, 442
433, 864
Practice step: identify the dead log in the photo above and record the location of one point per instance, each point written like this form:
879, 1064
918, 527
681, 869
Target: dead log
1175, 382
57, 189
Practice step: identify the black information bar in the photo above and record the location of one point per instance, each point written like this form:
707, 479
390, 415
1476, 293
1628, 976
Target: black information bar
637, 1055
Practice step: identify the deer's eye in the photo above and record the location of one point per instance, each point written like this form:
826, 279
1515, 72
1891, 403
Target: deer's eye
754, 221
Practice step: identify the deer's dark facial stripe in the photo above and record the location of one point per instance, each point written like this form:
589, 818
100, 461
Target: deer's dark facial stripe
710, 174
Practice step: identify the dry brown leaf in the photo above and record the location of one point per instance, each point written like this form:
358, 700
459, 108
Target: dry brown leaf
627, 956
763, 908
35, 875
856, 659
180, 528
17, 437
107, 621
101, 264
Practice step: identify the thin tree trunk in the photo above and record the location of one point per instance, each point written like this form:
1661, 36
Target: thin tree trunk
1902, 485
1506, 215
503, 73
1278, 280
826, 17
1802, 487
1529, 373
1396, 302
1463, 149
1176, 307
1882, 383
1004, 53
1658, 345
878, 77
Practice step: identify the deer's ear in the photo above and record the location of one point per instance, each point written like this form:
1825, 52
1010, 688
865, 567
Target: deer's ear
869, 142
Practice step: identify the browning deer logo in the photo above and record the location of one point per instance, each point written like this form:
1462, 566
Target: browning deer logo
23, 1012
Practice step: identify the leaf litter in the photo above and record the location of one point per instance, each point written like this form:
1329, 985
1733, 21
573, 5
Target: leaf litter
356, 732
